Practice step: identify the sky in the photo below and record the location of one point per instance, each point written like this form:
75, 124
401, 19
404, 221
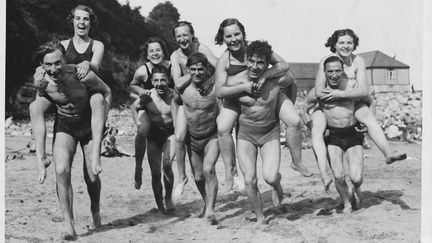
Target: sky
298, 29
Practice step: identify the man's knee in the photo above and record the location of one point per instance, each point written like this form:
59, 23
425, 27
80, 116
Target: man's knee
356, 178
271, 179
63, 171
180, 138
156, 174
208, 171
142, 132
339, 176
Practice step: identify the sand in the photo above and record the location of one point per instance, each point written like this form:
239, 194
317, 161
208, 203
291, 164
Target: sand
391, 213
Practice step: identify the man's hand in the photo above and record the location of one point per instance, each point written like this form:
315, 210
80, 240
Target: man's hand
332, 94
38, 78
145, 99
82, 69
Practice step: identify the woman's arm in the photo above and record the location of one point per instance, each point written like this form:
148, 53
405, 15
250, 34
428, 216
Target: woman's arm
180, 82
138, 78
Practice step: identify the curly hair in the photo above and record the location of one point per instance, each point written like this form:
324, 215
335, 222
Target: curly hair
225, 23
144, 47
259, 48
93, 18
46, 48
332, 40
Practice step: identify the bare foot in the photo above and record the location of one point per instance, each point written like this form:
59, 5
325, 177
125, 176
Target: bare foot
96, 220
178, 191
356, 199
395, 157
302, 170
138, 178
69, 233
169, 204
43, 163
277, 195
327, 183
347, 208
96, 166
228, 183
212, 219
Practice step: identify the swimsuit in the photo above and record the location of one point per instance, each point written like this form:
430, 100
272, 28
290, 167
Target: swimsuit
234, 69
79, 127
159, 134
198, 143
147, 84
73, 57
258, 135
345, 137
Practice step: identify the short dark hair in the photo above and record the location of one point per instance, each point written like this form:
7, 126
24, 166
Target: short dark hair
225, 23
332, 40
197, 57
160, 69
333, 59
71, 16
144, 48
260, 48
46, 48
183, 23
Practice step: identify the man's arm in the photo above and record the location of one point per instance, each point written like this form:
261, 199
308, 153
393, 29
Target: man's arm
94, 83
174, 110
180, 82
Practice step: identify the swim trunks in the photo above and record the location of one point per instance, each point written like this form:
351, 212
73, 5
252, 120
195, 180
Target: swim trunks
345, 137
258, 135
79, 127
159, 134
198, 144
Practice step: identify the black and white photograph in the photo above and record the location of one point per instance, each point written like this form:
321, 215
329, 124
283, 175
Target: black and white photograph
216, 121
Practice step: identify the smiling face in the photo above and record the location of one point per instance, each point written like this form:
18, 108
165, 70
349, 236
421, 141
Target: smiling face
160, 83
233, 37
155, 53
183, 36
344, 46
53, 64
333, 73
256, 67
81, 22
198, 72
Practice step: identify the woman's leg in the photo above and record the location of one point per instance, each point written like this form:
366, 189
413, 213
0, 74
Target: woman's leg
225, 122
318, 126
98, 119
180, 136
289, 115
364, 115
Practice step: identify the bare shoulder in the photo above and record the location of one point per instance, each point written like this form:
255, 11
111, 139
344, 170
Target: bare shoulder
65, 43
174, 57
97, 43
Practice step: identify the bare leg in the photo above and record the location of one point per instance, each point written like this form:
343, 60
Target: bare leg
211, 155
247, 155
355, 159
63, 152
365, 116
38, 108
197, 161
140, 146
180, 135
225, 122
98, 120
167, 159
319, 124
93, 183
270, 154
336, 160
154, 154
288, 114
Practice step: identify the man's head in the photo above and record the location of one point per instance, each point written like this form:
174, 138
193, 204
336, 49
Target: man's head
198, 67
333, 69
160, 79
50, 56
184, 34
258, 58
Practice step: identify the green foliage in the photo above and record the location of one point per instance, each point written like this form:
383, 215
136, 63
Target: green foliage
122, 29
